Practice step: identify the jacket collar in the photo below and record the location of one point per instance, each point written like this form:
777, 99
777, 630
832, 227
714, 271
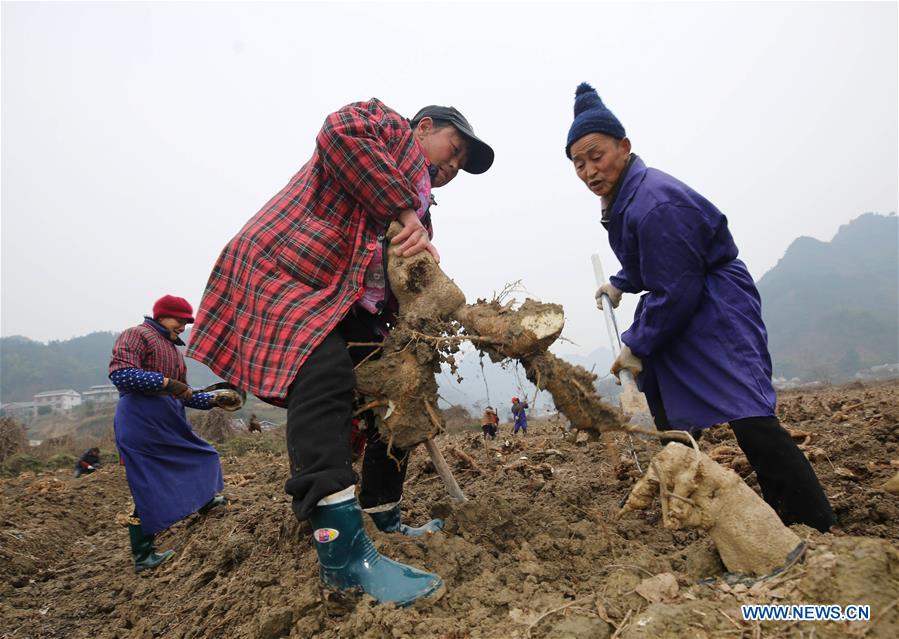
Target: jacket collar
626, 189
152, 323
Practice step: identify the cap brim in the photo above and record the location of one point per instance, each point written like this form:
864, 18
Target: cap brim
480, 154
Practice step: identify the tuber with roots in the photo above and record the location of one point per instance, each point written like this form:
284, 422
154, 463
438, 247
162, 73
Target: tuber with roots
573, 393
403, 374
514, 334
401, 379
696, 492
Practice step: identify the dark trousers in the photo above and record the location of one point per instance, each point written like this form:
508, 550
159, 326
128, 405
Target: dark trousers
787, 480
319, 422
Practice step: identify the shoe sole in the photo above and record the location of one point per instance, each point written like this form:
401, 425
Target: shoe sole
341, 602
429, 599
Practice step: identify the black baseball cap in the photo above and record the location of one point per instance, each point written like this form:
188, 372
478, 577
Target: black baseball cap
480, 155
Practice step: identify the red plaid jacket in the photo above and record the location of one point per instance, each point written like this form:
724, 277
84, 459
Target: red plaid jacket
293, 271
146, 348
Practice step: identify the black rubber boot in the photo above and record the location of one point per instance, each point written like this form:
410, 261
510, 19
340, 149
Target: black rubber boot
145, 557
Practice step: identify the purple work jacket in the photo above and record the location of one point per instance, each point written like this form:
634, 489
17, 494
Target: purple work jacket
698, 327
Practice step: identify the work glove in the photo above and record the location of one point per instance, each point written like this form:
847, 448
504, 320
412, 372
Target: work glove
626, 360
610, 290
178, 389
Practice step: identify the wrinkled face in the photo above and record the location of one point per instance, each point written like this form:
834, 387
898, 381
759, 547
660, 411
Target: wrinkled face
446, 148
174, 324
599, 161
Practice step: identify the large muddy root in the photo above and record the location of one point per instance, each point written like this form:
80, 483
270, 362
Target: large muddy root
401, 380
504, 333
424, 292
431, 308
573, 392
525, 334
696, 492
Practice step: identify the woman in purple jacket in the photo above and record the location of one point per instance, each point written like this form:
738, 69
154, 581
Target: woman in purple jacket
697, 347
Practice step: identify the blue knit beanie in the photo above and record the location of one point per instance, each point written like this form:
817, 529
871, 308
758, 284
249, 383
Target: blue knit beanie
591, 116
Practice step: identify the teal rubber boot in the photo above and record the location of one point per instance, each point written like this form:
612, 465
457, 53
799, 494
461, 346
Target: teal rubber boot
349, 561
145, 557
389, 521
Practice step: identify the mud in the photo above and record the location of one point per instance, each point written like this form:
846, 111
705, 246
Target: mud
537, 551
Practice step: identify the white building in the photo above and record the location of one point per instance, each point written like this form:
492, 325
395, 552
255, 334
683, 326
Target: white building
58, 400
103, 394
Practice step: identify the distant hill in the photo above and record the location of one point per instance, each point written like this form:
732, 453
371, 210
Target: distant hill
831, 308
28, 367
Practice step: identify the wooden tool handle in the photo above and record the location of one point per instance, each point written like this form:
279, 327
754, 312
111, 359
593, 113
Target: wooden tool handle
443, 469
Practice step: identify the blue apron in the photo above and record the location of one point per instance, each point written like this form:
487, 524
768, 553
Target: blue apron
170, 470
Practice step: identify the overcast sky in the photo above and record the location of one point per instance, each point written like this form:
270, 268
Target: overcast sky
138, 138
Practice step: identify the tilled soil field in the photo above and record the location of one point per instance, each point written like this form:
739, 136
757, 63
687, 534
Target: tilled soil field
539, 550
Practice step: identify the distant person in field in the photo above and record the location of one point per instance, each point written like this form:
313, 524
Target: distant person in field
489, 420
302, 279
520, 416
697, 347
88, 462
255, 426
170, 470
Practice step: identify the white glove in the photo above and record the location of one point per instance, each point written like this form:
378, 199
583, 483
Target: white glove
613, 293
91, 468
626, 360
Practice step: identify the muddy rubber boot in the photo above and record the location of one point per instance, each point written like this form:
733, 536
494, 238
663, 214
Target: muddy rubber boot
218, 500
388, 521
145, 557
349, 562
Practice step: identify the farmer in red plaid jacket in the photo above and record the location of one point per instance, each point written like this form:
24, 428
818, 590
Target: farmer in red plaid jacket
305, 276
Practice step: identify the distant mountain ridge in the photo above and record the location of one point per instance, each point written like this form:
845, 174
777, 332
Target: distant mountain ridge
831, 308
28, 367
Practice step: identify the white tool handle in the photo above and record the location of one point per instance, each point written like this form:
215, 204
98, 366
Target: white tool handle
611, 325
